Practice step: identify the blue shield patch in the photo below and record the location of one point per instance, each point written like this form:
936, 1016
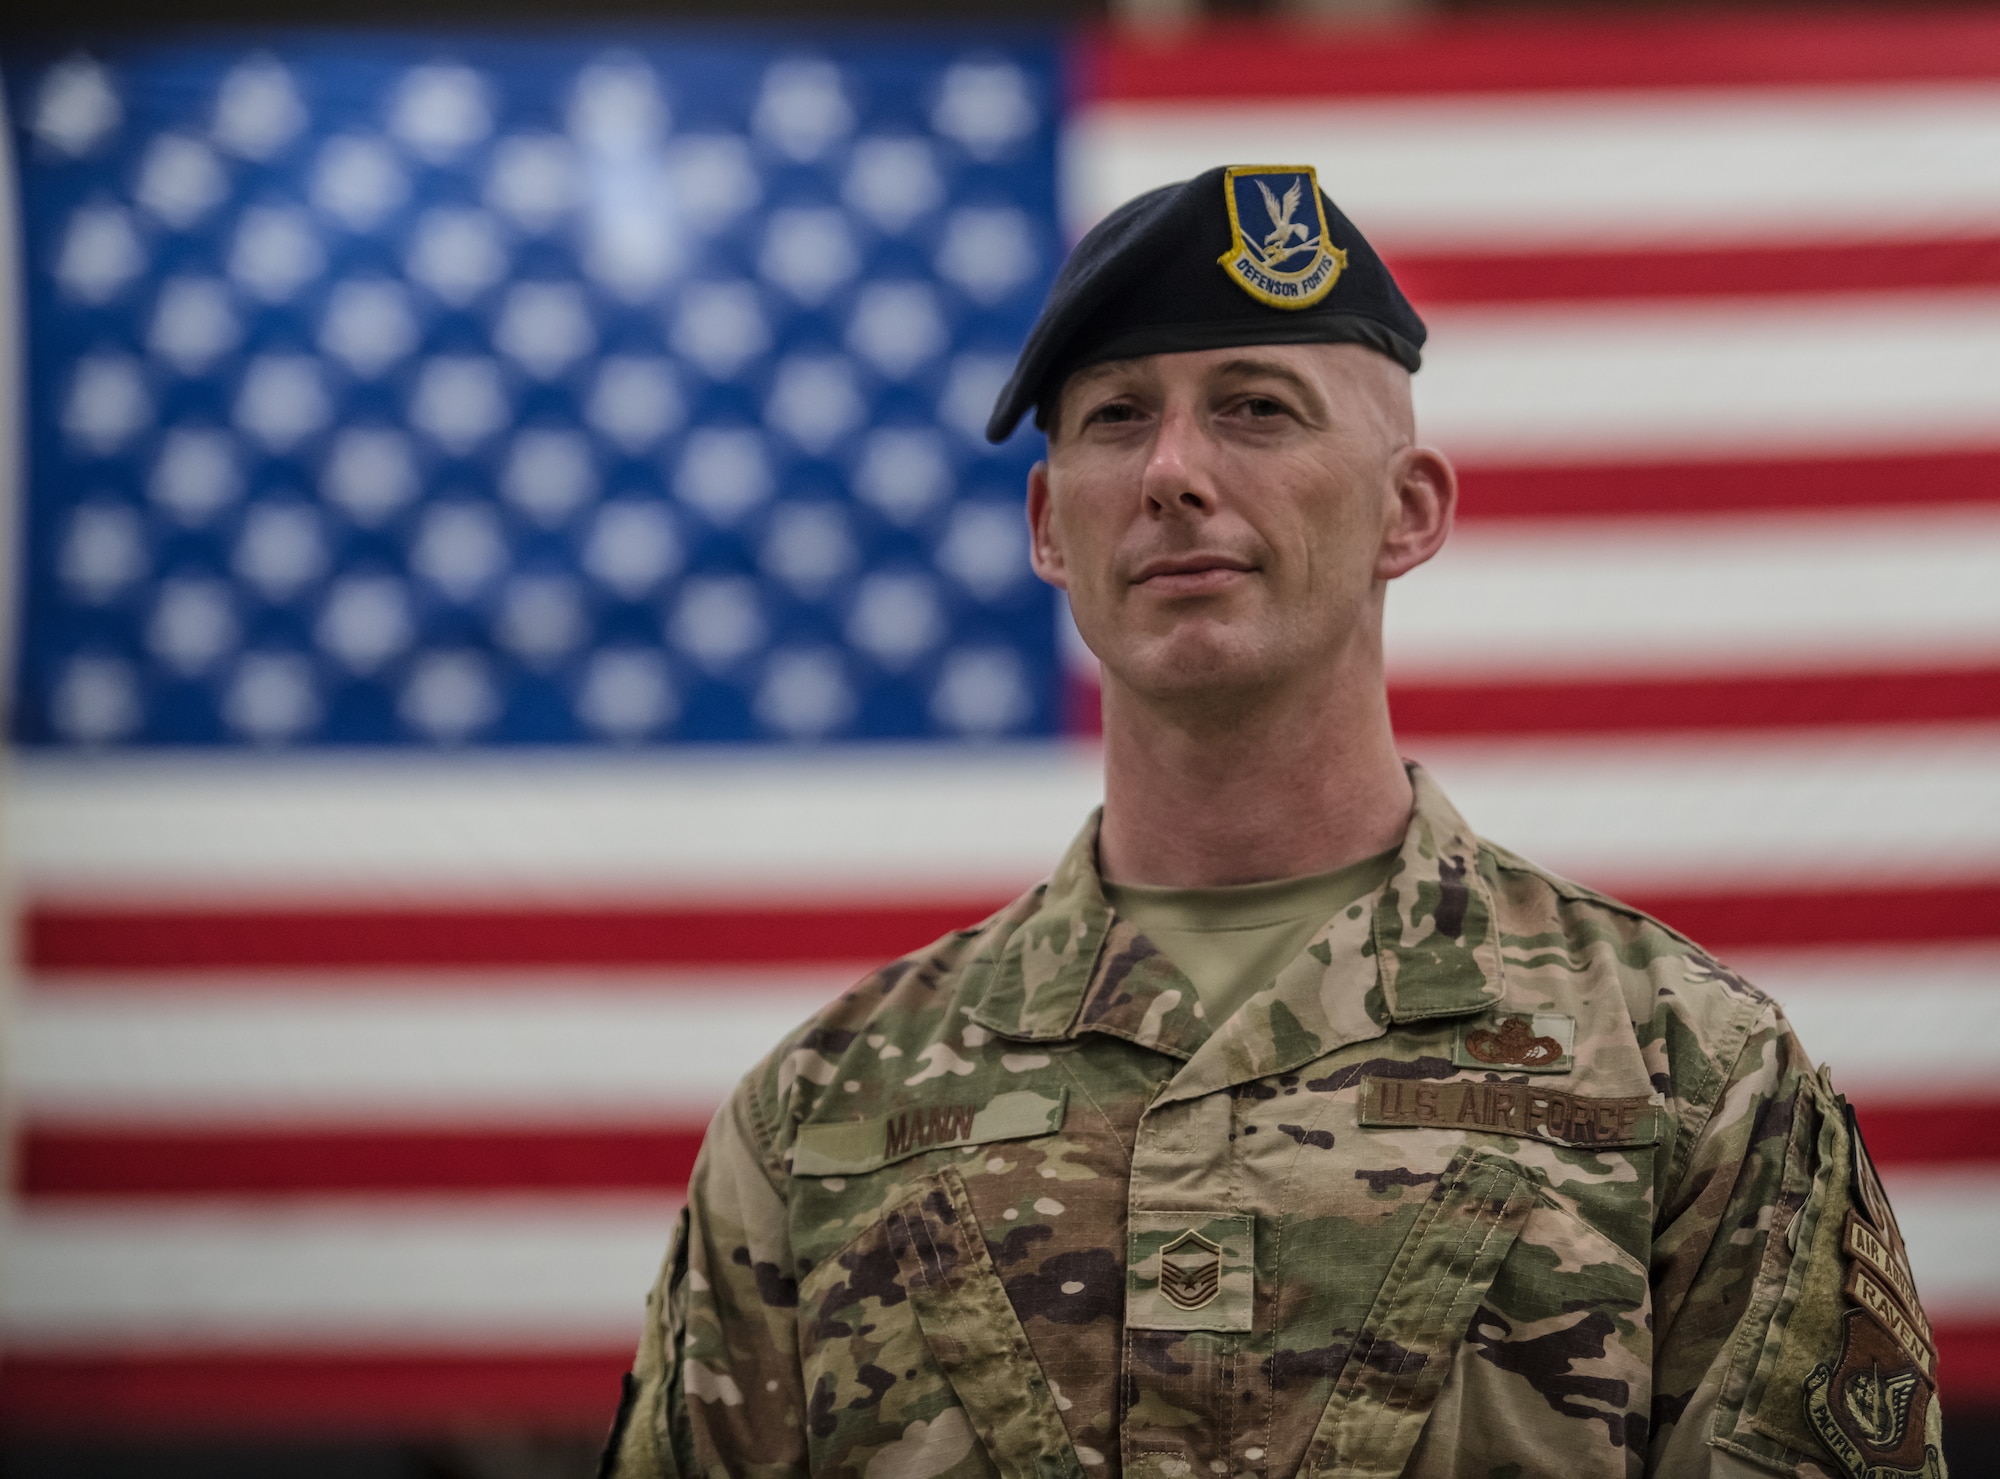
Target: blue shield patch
1278, 248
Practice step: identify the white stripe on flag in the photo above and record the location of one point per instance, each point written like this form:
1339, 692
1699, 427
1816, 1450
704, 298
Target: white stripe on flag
593, 826
362, 1051
1947, 1218
1682, 167
530, 1271
1545, 598
1874, 1016
1797, 806
523, 1271
1696, 378
1794, 810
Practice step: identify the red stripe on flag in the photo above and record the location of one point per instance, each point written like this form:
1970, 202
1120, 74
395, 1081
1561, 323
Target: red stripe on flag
1271, 62
298, 1393
1752, 701
1968, 1361
1872, 266
1944, 1132
125, 1160
142, 1161
60, 938
294, 1393
1800, 484
1660, 705
1913, 914
73, 939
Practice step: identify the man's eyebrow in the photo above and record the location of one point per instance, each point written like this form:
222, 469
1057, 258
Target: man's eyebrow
1269, 367
1102, 370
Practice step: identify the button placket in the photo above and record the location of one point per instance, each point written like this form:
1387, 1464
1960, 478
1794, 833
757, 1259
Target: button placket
1188, 1310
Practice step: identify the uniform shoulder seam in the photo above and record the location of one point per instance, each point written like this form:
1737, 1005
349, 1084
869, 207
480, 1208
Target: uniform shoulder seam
1581, 893
1720, 1070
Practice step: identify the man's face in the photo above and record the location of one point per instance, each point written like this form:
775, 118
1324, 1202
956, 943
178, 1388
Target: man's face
1224, 520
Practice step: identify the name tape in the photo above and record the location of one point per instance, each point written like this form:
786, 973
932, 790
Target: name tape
1527, 1110
850, 1147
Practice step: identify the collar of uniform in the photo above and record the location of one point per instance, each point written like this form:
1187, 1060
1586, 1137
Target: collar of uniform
1072, 965
1424, 948
1436, 939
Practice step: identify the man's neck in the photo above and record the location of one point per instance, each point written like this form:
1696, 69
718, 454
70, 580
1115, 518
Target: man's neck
1277, 787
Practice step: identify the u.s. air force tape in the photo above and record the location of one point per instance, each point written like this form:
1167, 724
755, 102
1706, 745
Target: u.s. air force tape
850, 1147
1527, 1110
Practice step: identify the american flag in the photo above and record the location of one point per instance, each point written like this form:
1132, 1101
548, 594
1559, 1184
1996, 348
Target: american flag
517, 612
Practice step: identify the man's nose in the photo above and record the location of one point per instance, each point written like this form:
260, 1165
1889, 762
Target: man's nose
1177, 479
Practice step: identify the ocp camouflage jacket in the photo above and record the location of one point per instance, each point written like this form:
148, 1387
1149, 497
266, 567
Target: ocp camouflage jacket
1499, 1178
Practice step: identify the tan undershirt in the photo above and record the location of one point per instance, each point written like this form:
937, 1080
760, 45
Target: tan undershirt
1230, 942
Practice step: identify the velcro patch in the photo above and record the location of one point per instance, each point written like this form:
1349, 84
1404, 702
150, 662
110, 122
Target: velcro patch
1863, 1243
1190, 1270
850, 1147
1869, 1293
1528, 1110
1873, 1411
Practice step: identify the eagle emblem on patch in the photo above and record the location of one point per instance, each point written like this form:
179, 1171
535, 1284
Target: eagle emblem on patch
1278, 248
1872, 1406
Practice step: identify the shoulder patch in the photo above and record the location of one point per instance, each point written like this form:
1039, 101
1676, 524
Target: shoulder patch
1836, 1353
1872, 1405
851, 1147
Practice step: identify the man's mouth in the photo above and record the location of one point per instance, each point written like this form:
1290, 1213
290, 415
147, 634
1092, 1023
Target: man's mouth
1190, 573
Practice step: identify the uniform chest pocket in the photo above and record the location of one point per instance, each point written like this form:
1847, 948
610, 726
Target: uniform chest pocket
949, 1373
1398, 1363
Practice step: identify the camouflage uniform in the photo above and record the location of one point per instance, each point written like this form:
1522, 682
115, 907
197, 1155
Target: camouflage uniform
1499, 1178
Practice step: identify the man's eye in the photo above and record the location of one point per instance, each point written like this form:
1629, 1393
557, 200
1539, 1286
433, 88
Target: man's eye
1263, 405
1116, 411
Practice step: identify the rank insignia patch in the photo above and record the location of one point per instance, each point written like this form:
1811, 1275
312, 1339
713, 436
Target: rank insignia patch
1190, 1271
1278, 249
1537, 1043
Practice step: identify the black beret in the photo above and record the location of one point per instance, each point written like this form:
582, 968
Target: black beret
1243, 254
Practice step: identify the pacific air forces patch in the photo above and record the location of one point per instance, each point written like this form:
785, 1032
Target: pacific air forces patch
1278, 248
1874, 1405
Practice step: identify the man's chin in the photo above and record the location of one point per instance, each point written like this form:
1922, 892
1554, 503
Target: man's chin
1191, 667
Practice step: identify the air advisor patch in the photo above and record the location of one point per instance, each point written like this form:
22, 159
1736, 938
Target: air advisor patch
1874, 1405
1278, 249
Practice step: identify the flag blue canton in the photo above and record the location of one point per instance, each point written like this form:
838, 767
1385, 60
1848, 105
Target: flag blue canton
511, 391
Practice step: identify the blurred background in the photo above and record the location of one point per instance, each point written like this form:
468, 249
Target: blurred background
510, 608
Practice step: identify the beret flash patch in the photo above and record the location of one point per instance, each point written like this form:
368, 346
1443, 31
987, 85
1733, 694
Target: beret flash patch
1278, 248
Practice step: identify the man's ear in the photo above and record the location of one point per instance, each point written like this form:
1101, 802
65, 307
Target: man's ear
1043, 551
1426, 500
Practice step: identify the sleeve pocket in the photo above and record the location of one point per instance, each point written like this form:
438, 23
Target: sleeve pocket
1794, 1305
649, 1435
975, 1335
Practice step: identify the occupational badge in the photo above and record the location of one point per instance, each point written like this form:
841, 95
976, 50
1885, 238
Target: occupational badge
1278, 248
1538, 1042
